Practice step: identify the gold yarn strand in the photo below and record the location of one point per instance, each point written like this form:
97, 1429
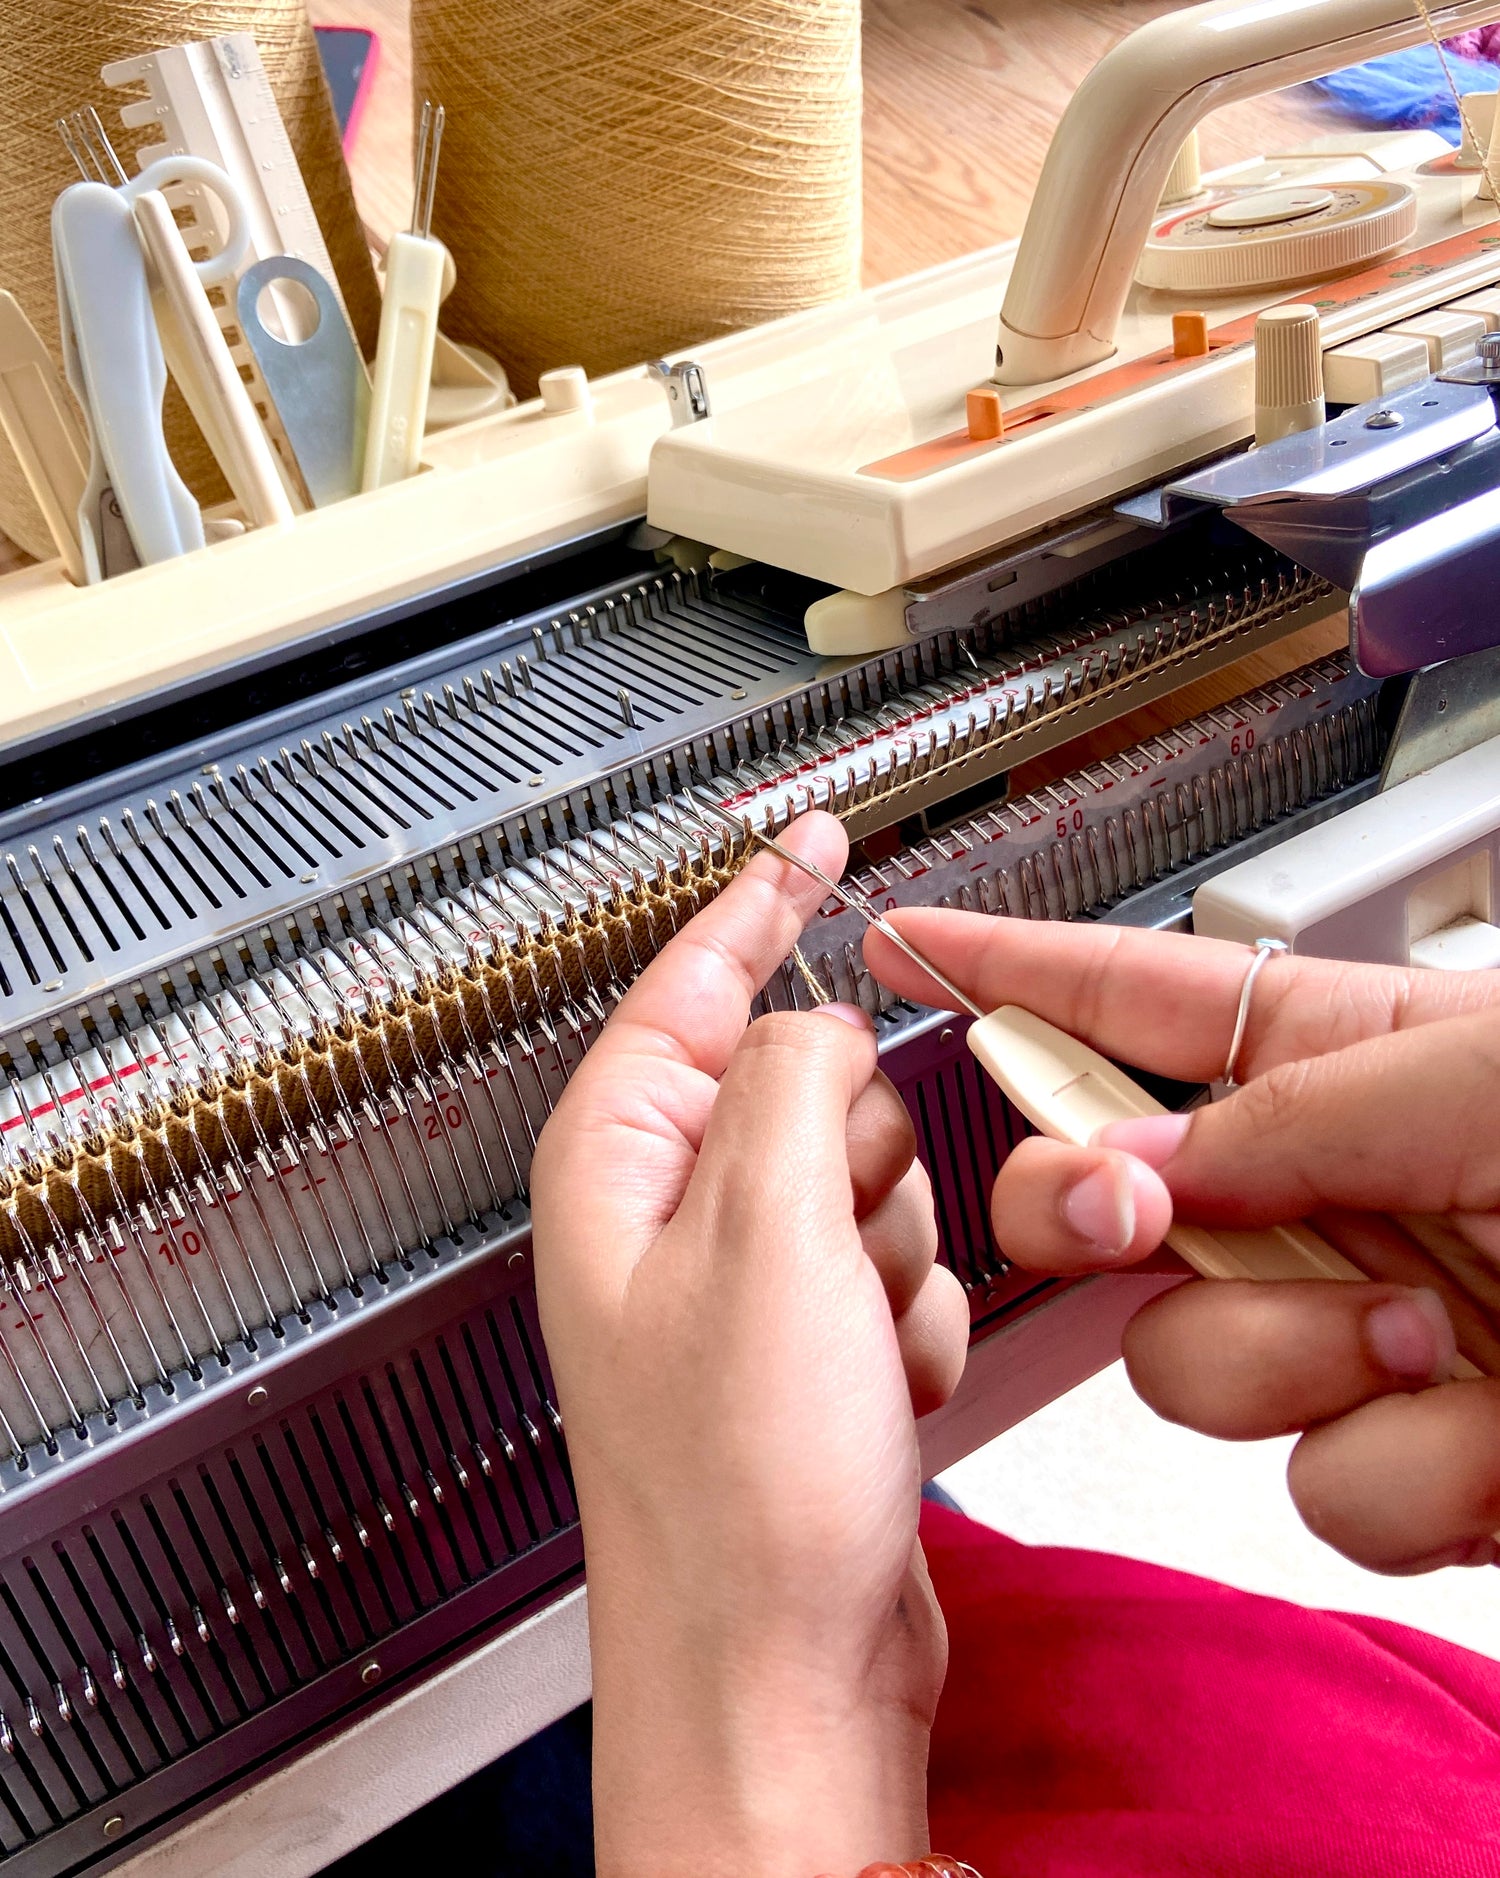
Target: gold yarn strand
816, 989
51, 52
620, 182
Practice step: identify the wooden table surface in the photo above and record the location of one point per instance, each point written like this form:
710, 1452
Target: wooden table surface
961, 97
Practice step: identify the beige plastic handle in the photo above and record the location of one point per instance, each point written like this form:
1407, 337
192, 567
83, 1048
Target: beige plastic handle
199, 358
1069, 1092
1120, 135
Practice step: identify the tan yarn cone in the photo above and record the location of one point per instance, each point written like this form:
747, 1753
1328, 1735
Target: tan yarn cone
50, 55
622, 178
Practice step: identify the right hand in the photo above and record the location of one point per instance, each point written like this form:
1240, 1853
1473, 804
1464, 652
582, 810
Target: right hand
1371, 1103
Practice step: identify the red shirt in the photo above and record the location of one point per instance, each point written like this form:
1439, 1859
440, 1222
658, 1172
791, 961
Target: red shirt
1108, 1719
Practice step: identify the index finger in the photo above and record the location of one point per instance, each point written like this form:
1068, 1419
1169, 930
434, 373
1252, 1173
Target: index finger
1166, 1002
692, 1002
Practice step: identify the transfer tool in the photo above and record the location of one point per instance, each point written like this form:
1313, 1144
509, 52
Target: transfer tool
467, 382
418, 272
194, 345
38, 418
318, 384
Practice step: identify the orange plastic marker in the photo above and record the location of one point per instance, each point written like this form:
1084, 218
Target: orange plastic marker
1190, 335
986, 415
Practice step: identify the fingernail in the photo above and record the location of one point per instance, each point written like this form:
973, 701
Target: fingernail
849, 1013
1411, 1337
1154, 1139
1101, 1209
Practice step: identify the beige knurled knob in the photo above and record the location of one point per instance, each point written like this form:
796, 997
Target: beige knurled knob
1288, 372
1185, 178
566, 388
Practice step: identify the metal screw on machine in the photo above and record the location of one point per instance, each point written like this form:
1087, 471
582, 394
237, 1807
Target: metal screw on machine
1384, 420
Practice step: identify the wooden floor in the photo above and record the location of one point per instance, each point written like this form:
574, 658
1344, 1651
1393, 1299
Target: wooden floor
961, 97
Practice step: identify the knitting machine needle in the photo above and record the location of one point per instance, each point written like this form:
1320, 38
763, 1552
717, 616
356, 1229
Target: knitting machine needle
1069, 1092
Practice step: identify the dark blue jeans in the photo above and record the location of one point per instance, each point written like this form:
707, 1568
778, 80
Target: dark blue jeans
528, 1814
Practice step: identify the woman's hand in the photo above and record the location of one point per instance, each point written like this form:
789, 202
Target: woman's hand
734, 1251
1371, 1103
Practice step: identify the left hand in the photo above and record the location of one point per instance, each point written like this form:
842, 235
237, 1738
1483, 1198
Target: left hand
735, 1263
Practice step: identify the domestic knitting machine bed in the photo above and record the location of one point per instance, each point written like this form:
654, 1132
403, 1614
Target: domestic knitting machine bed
328, 850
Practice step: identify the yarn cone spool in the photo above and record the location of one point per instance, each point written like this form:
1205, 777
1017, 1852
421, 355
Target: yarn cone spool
51, 52
622, 181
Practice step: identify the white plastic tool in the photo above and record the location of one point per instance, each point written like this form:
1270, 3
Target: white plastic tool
196, 351
418, 273
38, 419
135, 508
1070, 1092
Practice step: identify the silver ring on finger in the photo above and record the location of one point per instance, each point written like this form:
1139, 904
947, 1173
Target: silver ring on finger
1264, 949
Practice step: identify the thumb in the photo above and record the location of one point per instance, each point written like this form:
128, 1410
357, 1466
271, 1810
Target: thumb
1398, 1123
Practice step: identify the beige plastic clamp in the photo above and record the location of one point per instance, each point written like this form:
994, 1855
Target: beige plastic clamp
1121, 133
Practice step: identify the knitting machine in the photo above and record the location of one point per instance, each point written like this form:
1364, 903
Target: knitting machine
328, 849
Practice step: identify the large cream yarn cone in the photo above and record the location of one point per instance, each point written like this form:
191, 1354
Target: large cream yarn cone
622, 178
50, 55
